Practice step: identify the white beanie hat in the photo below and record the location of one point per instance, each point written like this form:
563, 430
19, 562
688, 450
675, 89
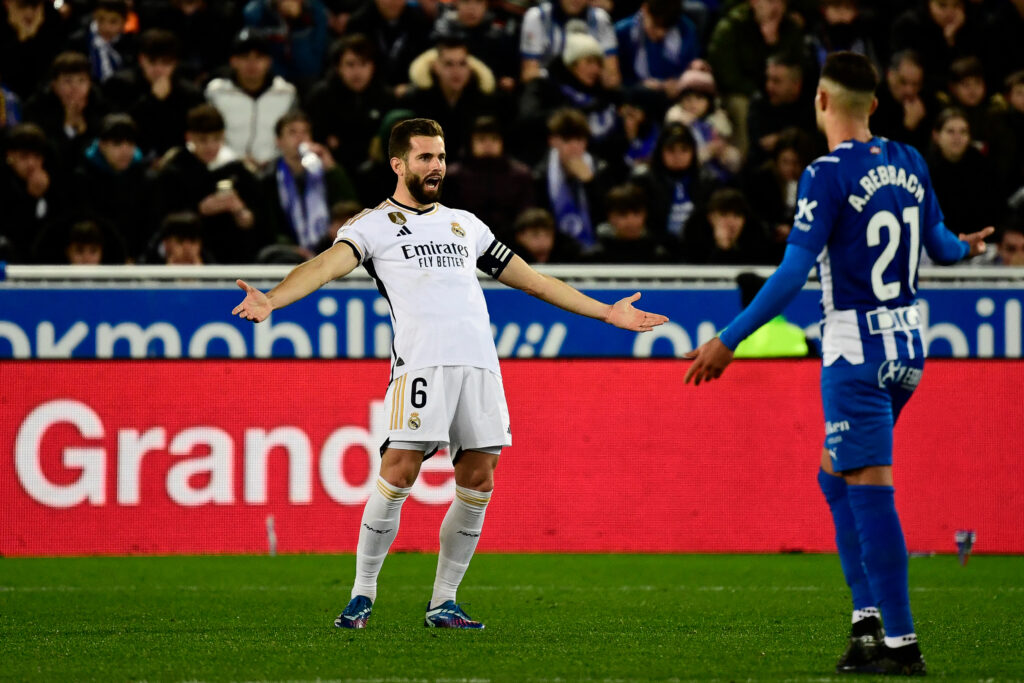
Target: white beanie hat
578, 46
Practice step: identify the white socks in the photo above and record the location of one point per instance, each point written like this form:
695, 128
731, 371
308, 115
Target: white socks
900, 641
376, 532
460, 532
862, 614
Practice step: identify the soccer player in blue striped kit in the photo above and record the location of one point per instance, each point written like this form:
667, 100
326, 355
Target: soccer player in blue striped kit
863, 214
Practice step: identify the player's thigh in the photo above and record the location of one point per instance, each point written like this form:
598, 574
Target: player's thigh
419, 408
481, 419
859, 417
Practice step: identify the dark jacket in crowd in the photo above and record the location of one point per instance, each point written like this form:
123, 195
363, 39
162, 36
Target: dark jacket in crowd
182, 181
25, 65
397, 44
456, 120
493, 45
495, 190
25, 217
46, 110
161, 123
915, 30
738, 52
967, 190
298, 47
345, 121
276, 223
887, 121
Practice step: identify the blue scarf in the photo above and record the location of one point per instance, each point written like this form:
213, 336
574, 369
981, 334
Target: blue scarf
569, 201
104, 56
681, 208
307, 215
671, 48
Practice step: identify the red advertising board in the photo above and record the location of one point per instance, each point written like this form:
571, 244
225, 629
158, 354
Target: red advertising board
205, 456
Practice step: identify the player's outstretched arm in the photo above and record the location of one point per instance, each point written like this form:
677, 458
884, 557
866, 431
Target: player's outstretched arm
622, 314
304, 279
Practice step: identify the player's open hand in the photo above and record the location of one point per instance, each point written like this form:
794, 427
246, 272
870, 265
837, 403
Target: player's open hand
976, 240
622, 314
709, 361
255, 306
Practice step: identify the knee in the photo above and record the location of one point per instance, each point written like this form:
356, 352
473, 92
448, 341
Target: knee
478, 479
399, 472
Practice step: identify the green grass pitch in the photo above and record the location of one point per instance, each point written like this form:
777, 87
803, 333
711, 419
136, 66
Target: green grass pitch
549, 618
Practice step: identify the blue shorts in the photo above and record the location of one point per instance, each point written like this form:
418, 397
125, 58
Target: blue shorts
862, 404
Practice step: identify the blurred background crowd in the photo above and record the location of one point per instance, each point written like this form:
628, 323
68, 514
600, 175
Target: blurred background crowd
580, 131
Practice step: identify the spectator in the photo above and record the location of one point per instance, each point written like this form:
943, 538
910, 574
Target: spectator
625, 239
204, 28
675, 185
698, 108
656, 45
84, 245
782, 105
301, 186
70, 109
537, 241
206, 177
1007, 148
570, 180
939, 31
1004, 49
31, 35
740, 46
30, 193
640, 127
904, 110
544, 36
487, 182
10, 107
399, 31
842, 27
110, 184
252, 99
346, 107
297, 31
472, 21
179, 241
452, 88
727, 233
154, 94
772, 188
962, 178
104, 40
574, 81
967, 92
1010, 251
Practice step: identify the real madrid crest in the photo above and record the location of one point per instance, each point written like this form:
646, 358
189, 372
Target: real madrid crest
457, 229
397, 217
414, 421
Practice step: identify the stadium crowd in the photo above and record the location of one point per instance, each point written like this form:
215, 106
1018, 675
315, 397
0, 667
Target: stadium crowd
595, 131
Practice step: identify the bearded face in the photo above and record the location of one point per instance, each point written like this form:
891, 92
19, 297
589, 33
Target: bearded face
424, 189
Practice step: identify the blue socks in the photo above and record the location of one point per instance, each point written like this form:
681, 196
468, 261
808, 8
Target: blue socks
884, 554
847, 539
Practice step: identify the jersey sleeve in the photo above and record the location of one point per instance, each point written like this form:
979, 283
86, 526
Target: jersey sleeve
355, 234
817, 205
533, 42
491, 255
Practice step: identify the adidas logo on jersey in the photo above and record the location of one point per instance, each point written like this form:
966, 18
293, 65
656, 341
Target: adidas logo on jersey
404, 231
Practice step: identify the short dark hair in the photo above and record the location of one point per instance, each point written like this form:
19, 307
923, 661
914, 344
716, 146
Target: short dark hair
84, 232
964, 68
293, 116
728, 200
908, 55
1013, 80
182, 224
797, 140
534, 218
788, 61
157, 43
119, 7
250, 40
487, 125
204, 118
677, 133
69, 63
26, 137
627, 198
568, 124
118, 128
451, 41
357, 43
665, 13
400, 141
854, 72
947, 115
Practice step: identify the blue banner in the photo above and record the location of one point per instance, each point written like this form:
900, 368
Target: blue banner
338, 322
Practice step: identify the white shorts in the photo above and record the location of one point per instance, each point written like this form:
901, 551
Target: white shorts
459, 407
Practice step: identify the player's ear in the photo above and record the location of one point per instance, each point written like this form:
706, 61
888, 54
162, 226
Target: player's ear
874, 106
397, 166
822, 99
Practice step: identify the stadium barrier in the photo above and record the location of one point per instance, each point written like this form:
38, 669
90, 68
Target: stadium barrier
184, 312
158, 456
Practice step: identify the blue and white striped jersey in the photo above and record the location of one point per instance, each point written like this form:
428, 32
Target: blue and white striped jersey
866, 210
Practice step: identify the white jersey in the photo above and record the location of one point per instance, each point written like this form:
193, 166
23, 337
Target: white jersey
424, 263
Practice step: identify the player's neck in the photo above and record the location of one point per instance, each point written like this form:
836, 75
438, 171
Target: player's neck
841, 130
403, 197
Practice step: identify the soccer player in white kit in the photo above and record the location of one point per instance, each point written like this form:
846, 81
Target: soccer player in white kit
445, 388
